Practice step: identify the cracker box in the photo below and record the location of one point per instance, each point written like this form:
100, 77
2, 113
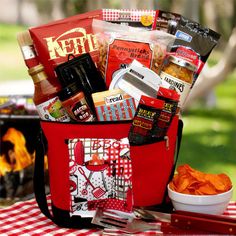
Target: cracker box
113, 105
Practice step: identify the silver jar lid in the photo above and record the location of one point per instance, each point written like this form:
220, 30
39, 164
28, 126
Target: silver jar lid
183, 63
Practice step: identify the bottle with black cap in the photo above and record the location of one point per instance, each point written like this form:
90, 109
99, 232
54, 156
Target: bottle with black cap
74, 101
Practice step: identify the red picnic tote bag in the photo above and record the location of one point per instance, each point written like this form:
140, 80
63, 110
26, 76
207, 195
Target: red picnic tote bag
152, 166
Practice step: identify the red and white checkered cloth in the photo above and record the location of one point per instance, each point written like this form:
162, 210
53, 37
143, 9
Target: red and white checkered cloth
25, 218
135, 15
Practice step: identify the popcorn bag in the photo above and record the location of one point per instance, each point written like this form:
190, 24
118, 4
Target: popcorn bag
119, 146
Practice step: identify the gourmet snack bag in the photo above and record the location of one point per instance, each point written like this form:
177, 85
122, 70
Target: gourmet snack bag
194, 42
56, 40
119, 45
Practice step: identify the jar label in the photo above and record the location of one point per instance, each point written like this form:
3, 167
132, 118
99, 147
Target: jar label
80, 111
180, 86
52, 110
28, 52
121, 52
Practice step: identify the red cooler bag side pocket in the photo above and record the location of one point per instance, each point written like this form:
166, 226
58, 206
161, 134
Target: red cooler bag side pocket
153, 165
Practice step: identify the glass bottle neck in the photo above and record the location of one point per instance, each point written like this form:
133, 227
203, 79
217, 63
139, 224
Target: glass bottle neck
38, 77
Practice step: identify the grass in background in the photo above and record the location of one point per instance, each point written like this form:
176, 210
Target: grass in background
209, 135
11, 61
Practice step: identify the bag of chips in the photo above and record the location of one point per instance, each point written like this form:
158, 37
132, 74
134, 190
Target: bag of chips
119, 45
58, 39
194, 42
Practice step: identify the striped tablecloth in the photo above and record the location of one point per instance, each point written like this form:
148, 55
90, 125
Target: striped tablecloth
25, 218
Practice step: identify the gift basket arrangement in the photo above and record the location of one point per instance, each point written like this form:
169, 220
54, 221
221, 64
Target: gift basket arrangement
109, 88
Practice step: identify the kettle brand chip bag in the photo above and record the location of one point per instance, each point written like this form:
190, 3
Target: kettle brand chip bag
56, 40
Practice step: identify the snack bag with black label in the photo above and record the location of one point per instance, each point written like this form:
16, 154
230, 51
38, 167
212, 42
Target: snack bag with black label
143, 129
194, 42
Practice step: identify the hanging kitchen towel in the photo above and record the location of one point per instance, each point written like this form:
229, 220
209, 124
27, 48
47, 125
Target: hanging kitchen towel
100, 175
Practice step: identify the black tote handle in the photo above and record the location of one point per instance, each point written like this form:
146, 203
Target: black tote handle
58, 216
178, 143
39, 176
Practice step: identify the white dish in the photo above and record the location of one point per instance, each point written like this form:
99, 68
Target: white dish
210, 204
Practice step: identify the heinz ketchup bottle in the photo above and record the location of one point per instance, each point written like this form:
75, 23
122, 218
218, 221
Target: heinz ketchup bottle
45, 97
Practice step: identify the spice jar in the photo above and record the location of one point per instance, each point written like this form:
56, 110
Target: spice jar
74, 101
177, 74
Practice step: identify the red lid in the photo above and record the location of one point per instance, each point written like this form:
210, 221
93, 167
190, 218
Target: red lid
168, 93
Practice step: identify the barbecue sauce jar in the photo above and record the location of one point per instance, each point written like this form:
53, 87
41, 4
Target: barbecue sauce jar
178, 74
74, 101
45, 97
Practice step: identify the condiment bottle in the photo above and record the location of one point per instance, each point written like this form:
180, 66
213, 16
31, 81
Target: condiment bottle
27, 49
74, 101
177, 73
45, 97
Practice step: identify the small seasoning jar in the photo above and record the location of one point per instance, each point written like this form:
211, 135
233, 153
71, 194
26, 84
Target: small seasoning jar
178, 74
180, 68
74, 101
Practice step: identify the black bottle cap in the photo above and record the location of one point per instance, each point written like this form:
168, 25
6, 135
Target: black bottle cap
69, 91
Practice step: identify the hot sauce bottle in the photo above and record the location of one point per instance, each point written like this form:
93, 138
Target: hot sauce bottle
45, 97
75, 103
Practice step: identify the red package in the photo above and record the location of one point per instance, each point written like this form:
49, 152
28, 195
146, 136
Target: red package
119, 45
56, 40
144, 128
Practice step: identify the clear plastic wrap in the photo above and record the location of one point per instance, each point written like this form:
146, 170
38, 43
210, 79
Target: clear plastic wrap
119, 45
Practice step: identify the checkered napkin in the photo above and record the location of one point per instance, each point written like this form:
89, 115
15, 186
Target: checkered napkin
25, 218
231, 209
135, 15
